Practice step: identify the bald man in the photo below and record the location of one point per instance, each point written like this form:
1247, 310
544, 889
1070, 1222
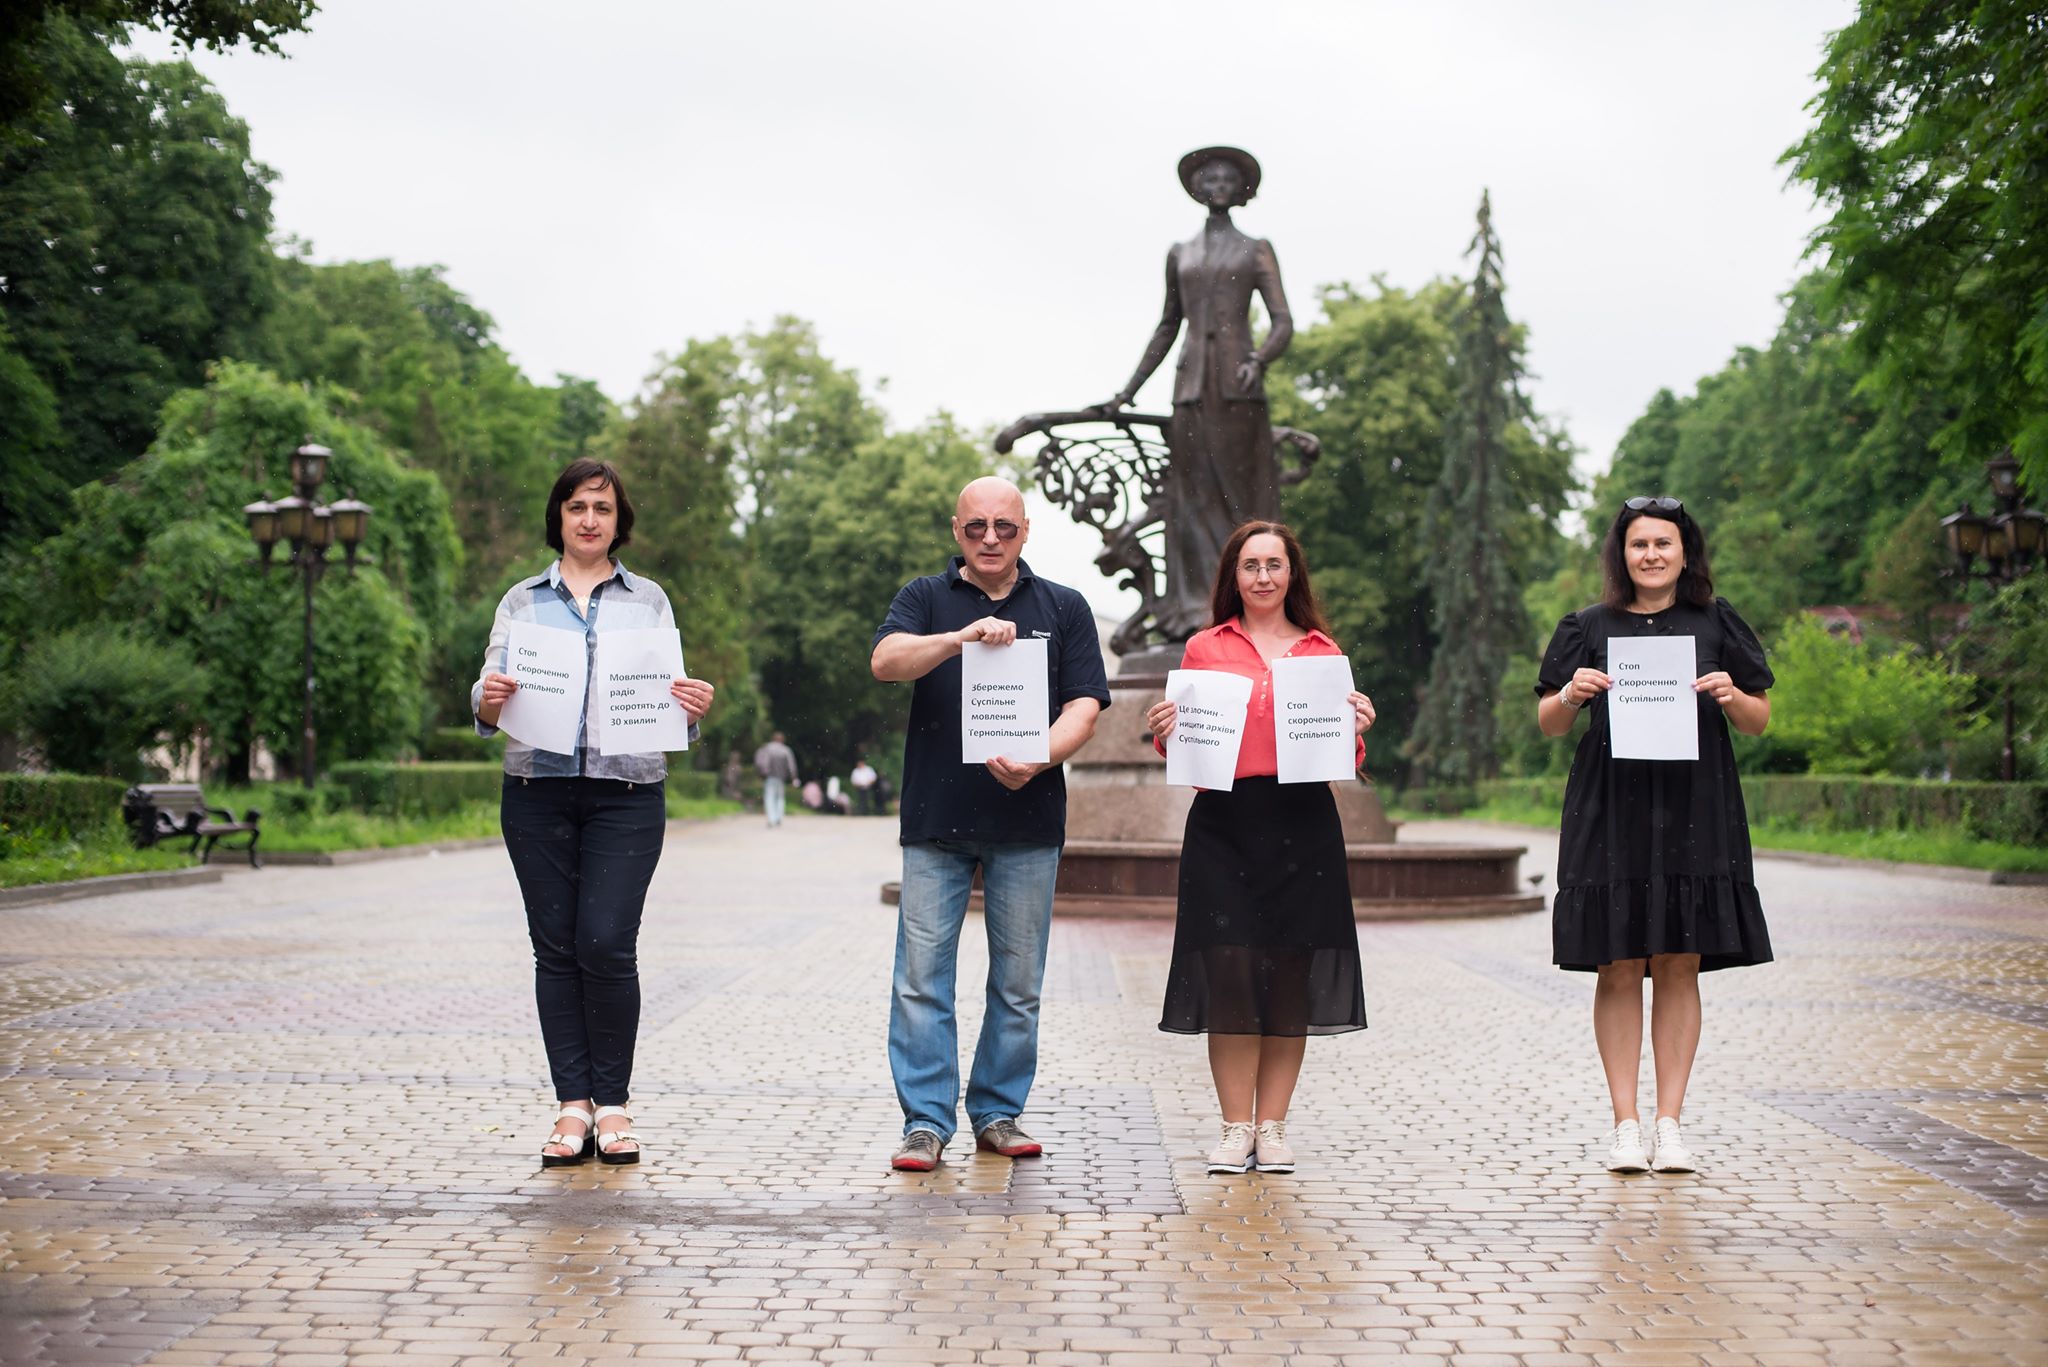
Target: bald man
1007, 818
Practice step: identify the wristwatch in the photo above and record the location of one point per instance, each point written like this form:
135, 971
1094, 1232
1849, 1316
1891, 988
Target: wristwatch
1563, 696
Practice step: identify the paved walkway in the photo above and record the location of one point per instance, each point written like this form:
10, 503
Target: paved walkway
293, 1117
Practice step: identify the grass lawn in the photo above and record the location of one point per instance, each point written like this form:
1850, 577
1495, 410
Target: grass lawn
31, 859
1906, 847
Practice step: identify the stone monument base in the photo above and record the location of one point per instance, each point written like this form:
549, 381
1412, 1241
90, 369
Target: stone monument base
1124, 828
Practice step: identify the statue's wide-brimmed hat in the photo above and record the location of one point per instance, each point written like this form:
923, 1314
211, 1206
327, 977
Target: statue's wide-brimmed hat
1236, 156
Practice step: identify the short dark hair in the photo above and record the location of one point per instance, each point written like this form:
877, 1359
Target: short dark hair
1300, 606
574, 476
1695, 580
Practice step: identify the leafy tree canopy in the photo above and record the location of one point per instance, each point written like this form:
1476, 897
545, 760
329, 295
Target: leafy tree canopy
133, 252
1931, 146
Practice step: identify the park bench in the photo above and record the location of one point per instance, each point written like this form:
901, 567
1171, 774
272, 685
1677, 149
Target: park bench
156, 812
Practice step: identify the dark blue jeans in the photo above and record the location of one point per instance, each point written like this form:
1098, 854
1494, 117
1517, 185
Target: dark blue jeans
584, 850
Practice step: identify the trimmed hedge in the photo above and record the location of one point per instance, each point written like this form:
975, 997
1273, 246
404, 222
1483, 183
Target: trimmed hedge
416, 789
433, 789
65, 804
462, 744
2009, 813
1441, 801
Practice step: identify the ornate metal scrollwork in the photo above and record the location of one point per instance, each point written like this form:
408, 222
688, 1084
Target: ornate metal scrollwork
1108, 470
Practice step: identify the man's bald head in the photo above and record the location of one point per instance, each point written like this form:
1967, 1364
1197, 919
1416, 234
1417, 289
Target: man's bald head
990, 496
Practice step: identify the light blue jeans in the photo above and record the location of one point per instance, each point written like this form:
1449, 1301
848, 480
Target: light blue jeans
924, 1038
771, 800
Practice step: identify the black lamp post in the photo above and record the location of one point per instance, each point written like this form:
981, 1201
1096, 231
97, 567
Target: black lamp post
310, 529
2009, 541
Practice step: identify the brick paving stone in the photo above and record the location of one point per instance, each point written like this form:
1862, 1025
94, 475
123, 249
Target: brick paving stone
290, 1117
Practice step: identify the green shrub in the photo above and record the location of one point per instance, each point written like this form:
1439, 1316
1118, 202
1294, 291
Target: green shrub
2007, 813
1443, 801
94, 698
692, 783
295, 801
461, 744
416, 789
64, 804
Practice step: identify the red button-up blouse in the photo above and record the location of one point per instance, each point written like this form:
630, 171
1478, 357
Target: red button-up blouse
1226, 647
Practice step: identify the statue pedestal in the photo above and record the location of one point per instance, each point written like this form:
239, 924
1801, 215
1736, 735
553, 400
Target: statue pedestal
1124, 829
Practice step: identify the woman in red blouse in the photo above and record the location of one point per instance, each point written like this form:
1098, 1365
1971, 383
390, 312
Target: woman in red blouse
1265, 951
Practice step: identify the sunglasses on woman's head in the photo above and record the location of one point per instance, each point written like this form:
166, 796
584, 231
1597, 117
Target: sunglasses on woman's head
977, 529
1662, 503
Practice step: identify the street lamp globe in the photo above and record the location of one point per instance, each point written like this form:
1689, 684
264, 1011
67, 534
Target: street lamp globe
291, 517
309, 467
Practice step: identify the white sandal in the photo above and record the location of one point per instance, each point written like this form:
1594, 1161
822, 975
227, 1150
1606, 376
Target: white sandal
585, 1144
607, 1138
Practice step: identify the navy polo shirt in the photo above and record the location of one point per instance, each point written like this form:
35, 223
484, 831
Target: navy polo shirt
944, 799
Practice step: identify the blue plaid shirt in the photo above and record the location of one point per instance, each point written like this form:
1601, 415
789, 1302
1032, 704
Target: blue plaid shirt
621, 603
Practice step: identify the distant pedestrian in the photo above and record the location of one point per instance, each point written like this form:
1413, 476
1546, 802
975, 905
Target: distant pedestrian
1008, 818
1265, 948
584, 829
1654, 878
862, 780
776, 763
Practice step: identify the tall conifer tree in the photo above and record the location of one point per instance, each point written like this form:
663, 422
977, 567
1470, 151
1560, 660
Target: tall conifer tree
1472, 515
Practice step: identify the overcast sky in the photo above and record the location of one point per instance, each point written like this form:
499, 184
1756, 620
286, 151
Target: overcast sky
974, 202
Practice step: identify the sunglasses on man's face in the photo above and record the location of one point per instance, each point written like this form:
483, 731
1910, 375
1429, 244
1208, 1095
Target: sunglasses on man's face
977, 530
1662, 503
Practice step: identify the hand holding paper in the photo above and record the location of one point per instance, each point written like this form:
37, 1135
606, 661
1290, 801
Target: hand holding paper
637, 711
1206, 729
1315, 723
549, 667
1004, 703
1652, 712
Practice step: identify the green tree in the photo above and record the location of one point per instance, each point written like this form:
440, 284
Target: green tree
132, 250
423, 370
161, 546
1929, 143
93, 698
27, 83
846, 535
1479, 516
1844, 708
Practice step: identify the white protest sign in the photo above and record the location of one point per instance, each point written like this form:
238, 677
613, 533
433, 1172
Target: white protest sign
1208, 726
1652, 712
1003, 702
636, 713
546, 711
1313, 722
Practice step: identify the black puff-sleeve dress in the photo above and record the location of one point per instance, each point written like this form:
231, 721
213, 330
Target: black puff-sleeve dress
1653, 855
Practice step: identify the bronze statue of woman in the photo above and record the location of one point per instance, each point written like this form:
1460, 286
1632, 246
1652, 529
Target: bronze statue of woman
1222, 470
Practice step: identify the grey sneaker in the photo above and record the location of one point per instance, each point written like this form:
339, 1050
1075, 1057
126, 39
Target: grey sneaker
1007, 1138
1270, 1143
919, 1152
1233, 1153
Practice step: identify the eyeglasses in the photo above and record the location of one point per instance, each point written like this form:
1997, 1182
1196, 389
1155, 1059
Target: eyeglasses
977, 530
1663, 503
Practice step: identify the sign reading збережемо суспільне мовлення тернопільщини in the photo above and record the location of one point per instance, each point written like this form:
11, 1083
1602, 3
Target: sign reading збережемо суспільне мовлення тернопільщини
1003, 703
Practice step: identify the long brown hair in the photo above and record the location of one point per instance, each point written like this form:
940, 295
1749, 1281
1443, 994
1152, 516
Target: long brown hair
1695, 578
1300, 604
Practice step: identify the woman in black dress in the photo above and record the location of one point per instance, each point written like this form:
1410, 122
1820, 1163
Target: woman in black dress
1653, 866
1265, 951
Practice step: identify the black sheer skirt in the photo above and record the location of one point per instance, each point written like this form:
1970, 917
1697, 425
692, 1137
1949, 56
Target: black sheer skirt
1264, 942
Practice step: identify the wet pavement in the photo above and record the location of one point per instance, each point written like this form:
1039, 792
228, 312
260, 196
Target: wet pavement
294, 1116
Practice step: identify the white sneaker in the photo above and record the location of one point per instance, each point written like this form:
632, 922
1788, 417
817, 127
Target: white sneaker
1234, 1152
1625, 1151
1672, 1154
1271, 1143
